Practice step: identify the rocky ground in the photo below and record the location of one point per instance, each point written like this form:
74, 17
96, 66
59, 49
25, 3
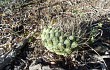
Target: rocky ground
21, 23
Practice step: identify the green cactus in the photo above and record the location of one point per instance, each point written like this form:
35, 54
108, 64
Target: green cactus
52, 34
74, 45
57, 41
71, 37
61, 39
67, 43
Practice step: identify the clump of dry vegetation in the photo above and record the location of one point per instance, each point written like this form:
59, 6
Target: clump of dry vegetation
88, 20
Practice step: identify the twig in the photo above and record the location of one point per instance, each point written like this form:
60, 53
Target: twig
98, 55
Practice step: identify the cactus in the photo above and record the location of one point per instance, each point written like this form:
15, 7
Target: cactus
63, 43
56, 41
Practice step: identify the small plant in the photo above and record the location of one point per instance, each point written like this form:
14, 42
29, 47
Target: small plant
57, 41
94, 32
61, 43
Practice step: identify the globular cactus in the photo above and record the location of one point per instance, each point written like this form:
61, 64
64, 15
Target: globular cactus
56, 41
62, 35
62, 43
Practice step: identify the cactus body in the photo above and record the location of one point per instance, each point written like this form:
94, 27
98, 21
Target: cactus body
56, 41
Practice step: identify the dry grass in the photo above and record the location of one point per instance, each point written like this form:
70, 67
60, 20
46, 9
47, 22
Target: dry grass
20, 18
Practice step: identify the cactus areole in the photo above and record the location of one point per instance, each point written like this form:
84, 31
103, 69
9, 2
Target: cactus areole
55, 41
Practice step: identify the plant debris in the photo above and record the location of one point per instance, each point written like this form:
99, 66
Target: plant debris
22, 22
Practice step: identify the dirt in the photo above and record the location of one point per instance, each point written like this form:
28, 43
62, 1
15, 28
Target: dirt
21, 18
